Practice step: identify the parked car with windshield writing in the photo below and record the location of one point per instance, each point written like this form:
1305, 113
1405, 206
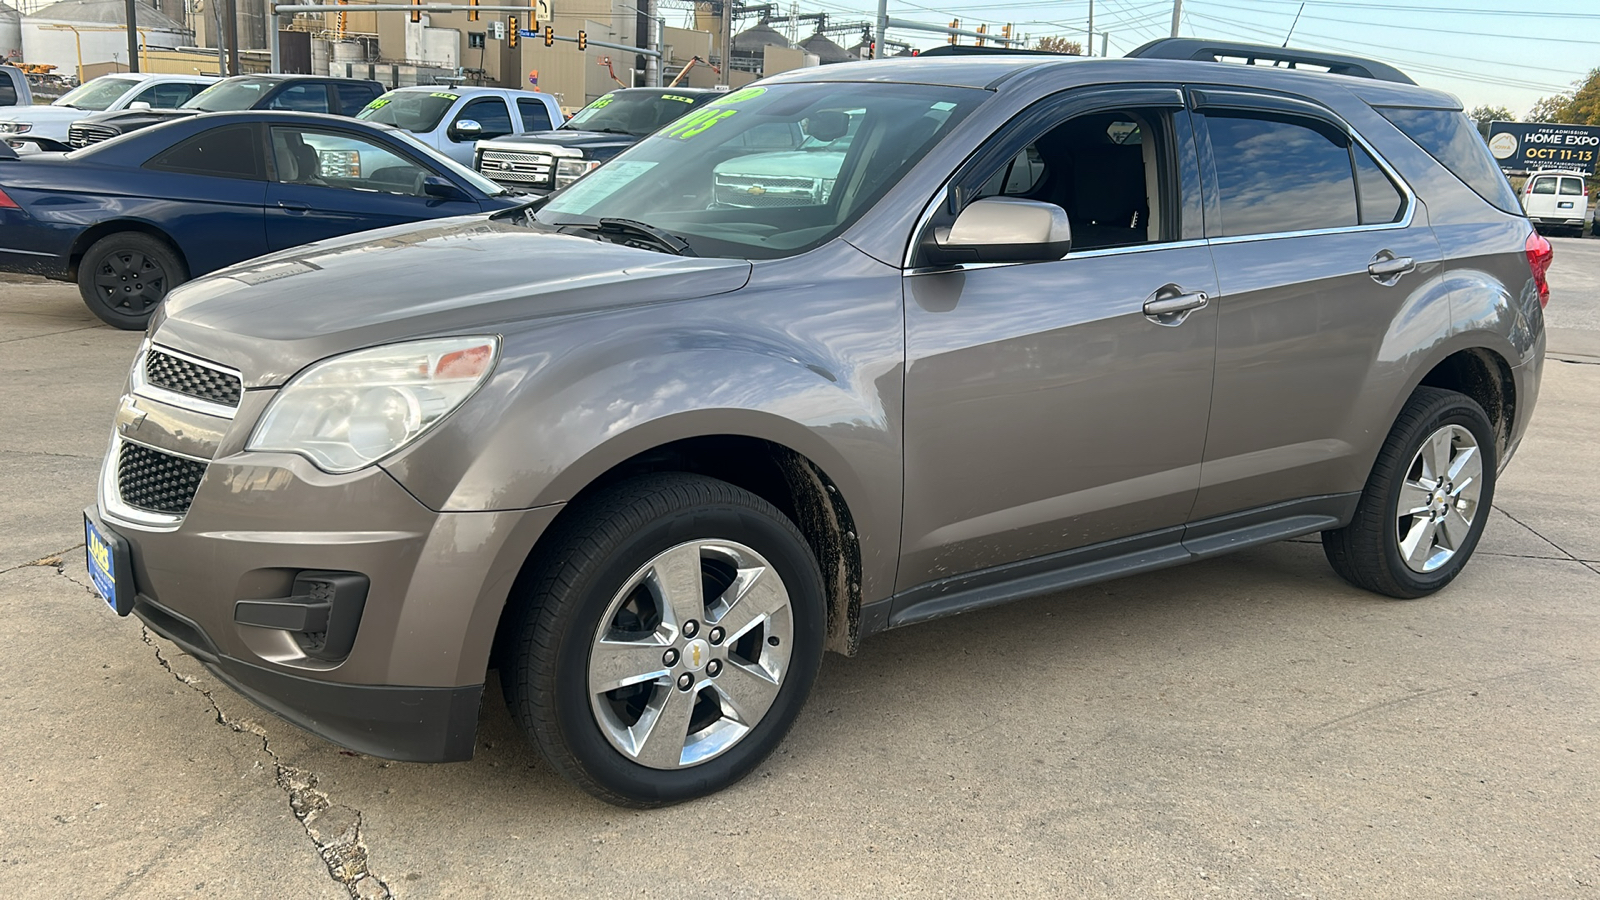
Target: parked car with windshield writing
549, 160
453, 120
294, 93
45, 127
647, 455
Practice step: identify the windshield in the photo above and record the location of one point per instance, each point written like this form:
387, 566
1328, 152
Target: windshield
627, 113
232, 94
466, 174
96, 95
768, 172
411, 110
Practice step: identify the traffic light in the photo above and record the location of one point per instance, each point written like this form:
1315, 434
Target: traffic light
1005, 32
872, 50
954, 24
583, 39
511, 32
472, 10
416, 12
982, 29
549, 36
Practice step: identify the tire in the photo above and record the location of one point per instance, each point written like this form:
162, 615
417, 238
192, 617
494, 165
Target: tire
606, 568
1416, 553
124, 276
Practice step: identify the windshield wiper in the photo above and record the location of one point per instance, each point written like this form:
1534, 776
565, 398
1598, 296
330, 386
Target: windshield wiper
611, 131
661, 238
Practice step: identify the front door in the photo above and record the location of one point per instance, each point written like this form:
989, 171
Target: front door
1045, 410
1318, 249
329, 183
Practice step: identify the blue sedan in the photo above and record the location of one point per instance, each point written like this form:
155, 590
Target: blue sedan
133, 217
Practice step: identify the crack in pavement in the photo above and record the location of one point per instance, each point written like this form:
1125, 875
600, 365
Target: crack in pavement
47, 334
1568, 554
50, 560
334, 830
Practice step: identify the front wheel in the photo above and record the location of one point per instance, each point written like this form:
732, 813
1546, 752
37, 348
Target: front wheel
1426, 502
124, 276
670, 638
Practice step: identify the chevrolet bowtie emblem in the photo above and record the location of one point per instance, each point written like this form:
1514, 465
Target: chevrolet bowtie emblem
696, 661
756, 189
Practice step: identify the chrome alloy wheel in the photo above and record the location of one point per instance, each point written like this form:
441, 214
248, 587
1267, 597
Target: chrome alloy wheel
1439, 498
690, 654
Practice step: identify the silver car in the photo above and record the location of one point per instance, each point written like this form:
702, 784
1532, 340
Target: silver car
649, 454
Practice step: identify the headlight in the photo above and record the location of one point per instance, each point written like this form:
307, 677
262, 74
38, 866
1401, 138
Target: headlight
352, 410
570, 170
15, 127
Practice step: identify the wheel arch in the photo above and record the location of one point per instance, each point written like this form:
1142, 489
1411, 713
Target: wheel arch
1486, 377
788, 479
89, 236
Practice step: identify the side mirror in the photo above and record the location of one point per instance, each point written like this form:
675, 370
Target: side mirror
442, 189
1005, 229
139, 104
466, 130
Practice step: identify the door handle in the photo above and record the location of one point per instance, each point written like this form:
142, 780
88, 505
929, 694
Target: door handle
1387, 268
1171, 304
293, 207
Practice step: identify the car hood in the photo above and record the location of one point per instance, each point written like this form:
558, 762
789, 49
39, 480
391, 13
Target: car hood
43, 115
562, 137
131, 119
271, 316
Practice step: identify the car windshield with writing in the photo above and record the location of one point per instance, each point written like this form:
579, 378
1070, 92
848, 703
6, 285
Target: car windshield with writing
822, 153
411, 110
635, 114
96, 95
233, 94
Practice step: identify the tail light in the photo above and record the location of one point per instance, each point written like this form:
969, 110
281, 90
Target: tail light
1539, 255
6, 202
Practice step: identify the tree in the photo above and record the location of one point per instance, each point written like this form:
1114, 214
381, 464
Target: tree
1483, 115
1055, 43
1581, 106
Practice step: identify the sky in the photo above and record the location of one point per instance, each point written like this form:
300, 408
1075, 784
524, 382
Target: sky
1483, 51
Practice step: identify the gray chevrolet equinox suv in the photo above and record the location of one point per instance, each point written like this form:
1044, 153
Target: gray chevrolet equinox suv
997, 326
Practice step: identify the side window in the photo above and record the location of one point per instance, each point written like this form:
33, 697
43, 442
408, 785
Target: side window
1108, 170
1571, 187
302, 98
491, 113
1278, 174
167, 96
1544, 185
335, 160
1380, 201
228, 152
8, 91
535, 117
354, 97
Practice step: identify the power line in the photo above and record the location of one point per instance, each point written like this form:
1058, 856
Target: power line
1430, 28
1390, 7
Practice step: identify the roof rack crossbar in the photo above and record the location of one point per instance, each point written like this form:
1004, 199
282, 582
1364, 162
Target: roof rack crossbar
1216, 51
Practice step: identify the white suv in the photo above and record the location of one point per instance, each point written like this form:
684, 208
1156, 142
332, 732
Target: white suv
1556, 200
34, 128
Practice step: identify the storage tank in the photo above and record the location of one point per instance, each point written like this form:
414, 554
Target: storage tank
10, 34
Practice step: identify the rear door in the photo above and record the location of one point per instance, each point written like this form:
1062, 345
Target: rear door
1318, 245
1539, 196
327, 182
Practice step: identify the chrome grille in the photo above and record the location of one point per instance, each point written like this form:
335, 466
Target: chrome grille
514, 167
192, 379
84, 135
761, 191
157, 482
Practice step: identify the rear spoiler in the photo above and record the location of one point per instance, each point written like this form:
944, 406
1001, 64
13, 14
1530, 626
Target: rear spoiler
6, 152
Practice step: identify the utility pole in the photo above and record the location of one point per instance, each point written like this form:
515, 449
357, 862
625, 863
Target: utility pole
233, 36
133, 37
727, 40
1177, 12
1089, 43
883, 26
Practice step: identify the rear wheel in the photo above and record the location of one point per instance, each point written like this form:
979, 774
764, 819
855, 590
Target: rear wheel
669, 642
1426, 502
124, 276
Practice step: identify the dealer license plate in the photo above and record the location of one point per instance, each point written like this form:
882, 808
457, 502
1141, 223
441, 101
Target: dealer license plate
110, 569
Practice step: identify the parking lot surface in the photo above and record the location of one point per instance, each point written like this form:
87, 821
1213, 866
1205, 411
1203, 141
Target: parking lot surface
1248, 726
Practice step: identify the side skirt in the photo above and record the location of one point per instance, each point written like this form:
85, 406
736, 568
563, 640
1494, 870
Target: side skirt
1111, 559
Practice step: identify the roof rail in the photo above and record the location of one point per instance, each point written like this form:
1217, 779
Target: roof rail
1216, 51
970, 50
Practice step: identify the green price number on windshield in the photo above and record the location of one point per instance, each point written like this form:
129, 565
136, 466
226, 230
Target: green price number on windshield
697, 123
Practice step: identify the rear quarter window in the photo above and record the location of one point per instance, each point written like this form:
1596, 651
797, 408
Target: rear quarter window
1451, 138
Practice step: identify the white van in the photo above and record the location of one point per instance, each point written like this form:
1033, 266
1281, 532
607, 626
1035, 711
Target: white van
1555, 200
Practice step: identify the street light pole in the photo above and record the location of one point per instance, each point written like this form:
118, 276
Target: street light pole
1090, 43
1177, 12
133, 38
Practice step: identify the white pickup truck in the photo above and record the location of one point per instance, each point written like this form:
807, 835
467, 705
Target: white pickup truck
453, 119
33, 128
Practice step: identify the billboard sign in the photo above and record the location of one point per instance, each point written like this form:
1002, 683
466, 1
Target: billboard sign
1526, 146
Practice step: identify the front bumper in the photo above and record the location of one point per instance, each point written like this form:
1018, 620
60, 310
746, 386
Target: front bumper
410, 685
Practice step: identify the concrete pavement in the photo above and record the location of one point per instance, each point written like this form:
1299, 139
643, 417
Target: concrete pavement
1245, 727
